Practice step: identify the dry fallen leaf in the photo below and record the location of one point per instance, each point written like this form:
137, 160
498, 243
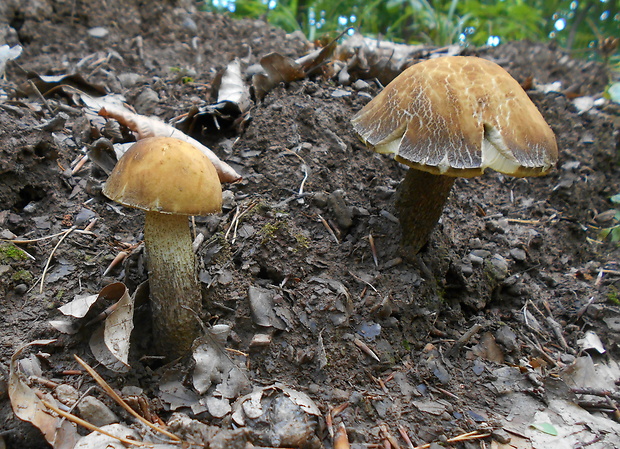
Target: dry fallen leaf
61, 434
110, 343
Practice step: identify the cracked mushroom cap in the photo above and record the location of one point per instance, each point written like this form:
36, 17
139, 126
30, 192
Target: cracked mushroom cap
167, 175
457, 116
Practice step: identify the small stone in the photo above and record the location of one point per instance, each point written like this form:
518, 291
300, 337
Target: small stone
147, 101
499, 226
342, 212
66, 394
506, 337
518, 254
567, 359
360, 85
96, 412
260, 341
499, 267
467, 270
476, 260
21, 289
319, 199
313, 389
228, 200
501, 436
482, 253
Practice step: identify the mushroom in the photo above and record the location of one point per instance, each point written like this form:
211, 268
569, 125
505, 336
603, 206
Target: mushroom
170, 180
449, 117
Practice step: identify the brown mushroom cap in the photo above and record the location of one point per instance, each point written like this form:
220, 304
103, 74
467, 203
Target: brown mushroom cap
167, 175
457, 116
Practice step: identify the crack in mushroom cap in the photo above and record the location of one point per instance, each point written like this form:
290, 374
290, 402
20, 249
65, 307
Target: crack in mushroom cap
166, 175
457, 116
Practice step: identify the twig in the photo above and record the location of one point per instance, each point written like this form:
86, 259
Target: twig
464, 339
405, 436
329, 229
365, 349
49, 259
40, 95
23, 242
121, 402
122, 255
373, 249
341, 440
460, 438
93, 428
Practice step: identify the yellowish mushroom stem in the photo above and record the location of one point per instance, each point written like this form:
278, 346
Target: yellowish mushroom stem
176, 298
420, 202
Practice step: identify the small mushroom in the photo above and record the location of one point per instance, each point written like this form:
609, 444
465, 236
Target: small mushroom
170, 180
448, 117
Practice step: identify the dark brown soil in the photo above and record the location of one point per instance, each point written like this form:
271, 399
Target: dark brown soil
503, 245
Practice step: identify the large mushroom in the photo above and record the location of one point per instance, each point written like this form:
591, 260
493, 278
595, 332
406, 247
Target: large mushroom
170, 180
449, 117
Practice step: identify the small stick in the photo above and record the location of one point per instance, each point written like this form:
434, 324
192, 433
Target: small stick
329, 229
117, 260
121, 402
79, 165
49, 259
365, 349
93, 428
23, 242
464, 437
341, 440
40, 95
362, 280
405, 436
373, 248
464, 339
388, 436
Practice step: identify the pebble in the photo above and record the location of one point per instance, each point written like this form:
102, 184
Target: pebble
481, 253
467, 270
476, 260
499, 267
66, 394
384, 192
360, 85
342, 212
319, 199
228, 200
96, 412
21, 289
499, 226
506, 337
518, 254
260, 341
501, 436
147, 101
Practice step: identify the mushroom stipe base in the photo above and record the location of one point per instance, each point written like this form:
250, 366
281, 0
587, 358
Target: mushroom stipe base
420, 202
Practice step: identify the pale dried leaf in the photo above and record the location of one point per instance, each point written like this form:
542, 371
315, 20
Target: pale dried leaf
28, 407
154, 127
233, 88
110, 343
79, 307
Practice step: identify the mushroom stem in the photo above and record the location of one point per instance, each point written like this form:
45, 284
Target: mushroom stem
176, 298
421, 200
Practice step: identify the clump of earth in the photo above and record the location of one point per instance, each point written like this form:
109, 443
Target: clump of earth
524, 263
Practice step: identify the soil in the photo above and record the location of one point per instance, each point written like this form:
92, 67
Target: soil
505, 248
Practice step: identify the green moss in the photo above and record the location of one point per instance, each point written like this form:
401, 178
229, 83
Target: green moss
269, 230
612, 296
22, 276
9, 252
302, 241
